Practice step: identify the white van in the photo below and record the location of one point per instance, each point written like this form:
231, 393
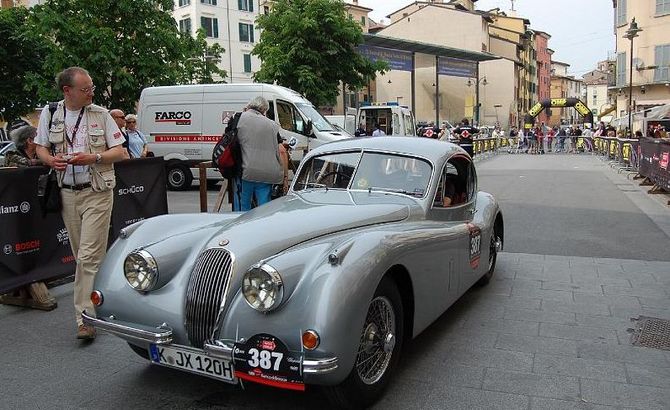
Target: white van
392, 118
183, 123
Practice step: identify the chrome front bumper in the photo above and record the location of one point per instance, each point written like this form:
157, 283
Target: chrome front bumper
163, 336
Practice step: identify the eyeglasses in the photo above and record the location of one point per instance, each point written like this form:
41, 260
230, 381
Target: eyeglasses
87, 90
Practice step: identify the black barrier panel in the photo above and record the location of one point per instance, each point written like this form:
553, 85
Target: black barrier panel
33, 248
38, 249
140, 192
655, 161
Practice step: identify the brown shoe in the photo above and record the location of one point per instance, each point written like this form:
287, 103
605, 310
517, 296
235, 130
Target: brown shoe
85, 332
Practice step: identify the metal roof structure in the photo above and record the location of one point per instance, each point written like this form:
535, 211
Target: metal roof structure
425, 48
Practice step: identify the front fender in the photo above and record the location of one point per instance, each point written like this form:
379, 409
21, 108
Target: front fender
331, 299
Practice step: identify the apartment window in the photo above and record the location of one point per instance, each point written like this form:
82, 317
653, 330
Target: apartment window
210, 2
245, 5
662, 6
183, 3
247, 32
662, 73
621, 69
621, 12
247, 62
363, 20
211, 26
266, 10
185, 25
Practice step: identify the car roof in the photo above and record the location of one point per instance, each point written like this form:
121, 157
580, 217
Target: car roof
431, 149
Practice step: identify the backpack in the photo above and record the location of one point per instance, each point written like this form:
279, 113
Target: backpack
227, 155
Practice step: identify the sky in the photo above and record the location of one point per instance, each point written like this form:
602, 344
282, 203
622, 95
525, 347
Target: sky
581, 30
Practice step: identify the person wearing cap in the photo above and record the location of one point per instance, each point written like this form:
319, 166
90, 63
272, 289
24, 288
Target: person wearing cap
137, 142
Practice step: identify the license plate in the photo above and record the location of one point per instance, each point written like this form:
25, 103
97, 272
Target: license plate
193, 361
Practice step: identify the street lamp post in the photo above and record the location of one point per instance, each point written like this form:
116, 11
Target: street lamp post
476, 83
631, 33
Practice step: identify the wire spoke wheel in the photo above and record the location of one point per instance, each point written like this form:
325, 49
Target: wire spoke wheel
377, 341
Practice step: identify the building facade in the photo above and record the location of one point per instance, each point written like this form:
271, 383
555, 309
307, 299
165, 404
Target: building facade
650, 51
596, 95
564, 86
543, 72
231, 24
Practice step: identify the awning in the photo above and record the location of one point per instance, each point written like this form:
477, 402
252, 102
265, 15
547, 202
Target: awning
659, 113
426, 48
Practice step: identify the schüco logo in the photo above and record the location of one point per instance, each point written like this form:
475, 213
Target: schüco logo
135, 189
178, 117
23, 207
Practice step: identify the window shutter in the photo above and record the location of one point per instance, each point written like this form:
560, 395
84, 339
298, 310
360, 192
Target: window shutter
240, 6
251, 5
251, 32
213, 2
241, 28
216, 28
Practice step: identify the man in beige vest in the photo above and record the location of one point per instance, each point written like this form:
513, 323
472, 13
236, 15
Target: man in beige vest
81, 141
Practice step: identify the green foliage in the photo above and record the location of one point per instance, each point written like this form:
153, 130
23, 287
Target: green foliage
126, 45
310, 46
21, 55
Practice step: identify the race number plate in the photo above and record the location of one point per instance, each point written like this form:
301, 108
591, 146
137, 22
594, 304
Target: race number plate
475, 245
193, 361
265, 359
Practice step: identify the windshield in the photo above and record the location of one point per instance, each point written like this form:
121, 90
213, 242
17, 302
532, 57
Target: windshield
367, 171
318, 122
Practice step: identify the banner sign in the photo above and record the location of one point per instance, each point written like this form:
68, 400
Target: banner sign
36, 248
456, 67
396, 59
654, 159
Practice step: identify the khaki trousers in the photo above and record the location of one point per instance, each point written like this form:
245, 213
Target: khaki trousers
86, 215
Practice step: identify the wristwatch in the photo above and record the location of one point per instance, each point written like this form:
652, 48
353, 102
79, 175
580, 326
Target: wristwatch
98, 158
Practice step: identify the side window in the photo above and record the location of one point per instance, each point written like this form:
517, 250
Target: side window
409, 127
289, 118
396, 124
457, 184
271, 111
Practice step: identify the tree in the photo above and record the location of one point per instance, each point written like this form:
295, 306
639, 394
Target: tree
126, 45
310, 46
21, 55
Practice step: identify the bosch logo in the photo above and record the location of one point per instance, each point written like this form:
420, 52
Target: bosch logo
25, 207
27, 246
135, 189
8, 249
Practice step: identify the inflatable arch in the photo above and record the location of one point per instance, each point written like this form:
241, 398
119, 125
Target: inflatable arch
581, 108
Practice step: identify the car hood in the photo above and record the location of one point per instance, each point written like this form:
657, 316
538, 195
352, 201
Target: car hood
294, 219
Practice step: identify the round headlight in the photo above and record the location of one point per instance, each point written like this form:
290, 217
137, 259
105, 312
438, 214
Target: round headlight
263, 288
141, 270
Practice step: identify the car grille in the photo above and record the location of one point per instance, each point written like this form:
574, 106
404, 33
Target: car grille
206, 290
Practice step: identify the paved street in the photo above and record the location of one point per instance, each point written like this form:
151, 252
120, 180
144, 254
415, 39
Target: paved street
586, 250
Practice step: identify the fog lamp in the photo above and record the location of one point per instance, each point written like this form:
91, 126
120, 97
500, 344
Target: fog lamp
310, 339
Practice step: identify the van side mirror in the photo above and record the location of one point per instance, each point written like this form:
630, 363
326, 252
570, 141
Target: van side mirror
308, 131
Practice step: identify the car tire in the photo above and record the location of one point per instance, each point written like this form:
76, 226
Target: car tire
140, 351
493, 257
179, 177
364, 386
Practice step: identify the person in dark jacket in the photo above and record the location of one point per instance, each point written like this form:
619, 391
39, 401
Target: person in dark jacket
466, 135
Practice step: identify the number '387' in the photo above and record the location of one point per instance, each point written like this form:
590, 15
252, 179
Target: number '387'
264, 359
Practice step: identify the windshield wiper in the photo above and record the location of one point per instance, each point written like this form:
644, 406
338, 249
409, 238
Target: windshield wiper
396, 190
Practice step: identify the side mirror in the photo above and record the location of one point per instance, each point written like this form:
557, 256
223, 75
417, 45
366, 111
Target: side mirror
308, 129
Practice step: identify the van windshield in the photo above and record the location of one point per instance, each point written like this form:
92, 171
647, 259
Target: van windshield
318, 122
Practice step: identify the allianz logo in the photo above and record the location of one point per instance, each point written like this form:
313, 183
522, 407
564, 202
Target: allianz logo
135, 189
23, 207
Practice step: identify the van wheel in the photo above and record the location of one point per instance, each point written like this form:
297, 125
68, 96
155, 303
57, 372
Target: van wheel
179, 177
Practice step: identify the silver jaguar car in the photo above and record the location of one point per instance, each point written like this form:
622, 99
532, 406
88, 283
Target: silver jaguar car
376, 238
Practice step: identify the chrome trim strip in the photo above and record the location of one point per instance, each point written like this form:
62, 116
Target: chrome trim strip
157, 336
319, 366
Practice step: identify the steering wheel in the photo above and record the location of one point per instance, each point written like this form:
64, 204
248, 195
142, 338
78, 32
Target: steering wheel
327, 174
